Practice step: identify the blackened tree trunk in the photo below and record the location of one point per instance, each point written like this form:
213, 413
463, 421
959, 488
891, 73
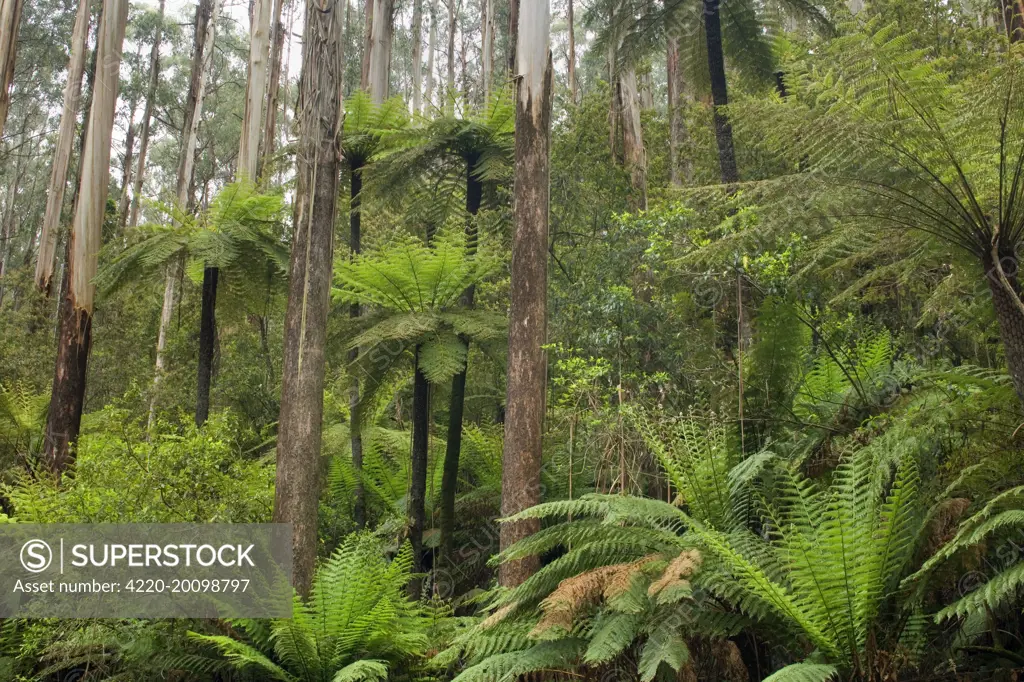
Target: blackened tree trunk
719, 92
68, 391
416, 511
302, 389
1013, 19
521, 456
207, 343
355, 244
456, 407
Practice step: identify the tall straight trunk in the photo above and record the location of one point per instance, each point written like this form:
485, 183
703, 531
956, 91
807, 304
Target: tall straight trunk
10, 18
571, 20
513, 33
678, 134
380, 50
126, 170
633, 136
207, 344
273, 89
417, 503
309, 287
449, 96
487, 47
202, 57
521, 455
255, 90
1013, 19
356, 436
456, 405
364, 78
417, 56
62, 151
431, 54
68, 392
719, 92
147, 118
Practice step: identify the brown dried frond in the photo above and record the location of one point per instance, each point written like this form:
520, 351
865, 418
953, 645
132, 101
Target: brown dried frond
677, 572
945, 522
498, 616
581, 591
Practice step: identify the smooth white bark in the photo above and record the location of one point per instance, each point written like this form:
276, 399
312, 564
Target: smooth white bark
380, 49
62, 150
10, 18
256, 87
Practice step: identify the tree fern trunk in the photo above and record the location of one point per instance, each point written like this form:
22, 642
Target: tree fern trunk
355, 244
521, 455
309, 288
207, 340
719, 92
418, 472
1009, 318
68, 392
456, 408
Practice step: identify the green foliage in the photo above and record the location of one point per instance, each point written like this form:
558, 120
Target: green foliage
357, 624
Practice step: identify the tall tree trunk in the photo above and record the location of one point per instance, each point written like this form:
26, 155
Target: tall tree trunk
571, 19
202, 57
380, 51
457, 402
356, 436
10, 18
678, 134
417, 56
521, 456
126, 170
68, 393
273, 89
364, 79
1013, 19
449, 96
302, 388
255, 90
719, 92
62, 151
416, 511
487, 47
513, 33
431, 54
633, 136
207, 344
147, 118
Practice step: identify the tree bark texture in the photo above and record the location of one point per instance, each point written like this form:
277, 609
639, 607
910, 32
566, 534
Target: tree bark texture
68, 390
380, 49
521, 456
719, 92
255, 91
416, 511
62, 151
305, 336
207, 344
633, 136
10, 19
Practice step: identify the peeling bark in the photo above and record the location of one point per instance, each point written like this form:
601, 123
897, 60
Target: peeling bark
521, 455
302, 389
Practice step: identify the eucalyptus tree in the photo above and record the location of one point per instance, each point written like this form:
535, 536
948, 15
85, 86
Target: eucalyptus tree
412, 292
10, 19
62, 151
147, 116
524, 417
309, 286
76, 309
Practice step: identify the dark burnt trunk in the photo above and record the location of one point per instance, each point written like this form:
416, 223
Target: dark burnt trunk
67, 395
418, 472
207, 340
456, 407
719, 92
1008, 315
355, 244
